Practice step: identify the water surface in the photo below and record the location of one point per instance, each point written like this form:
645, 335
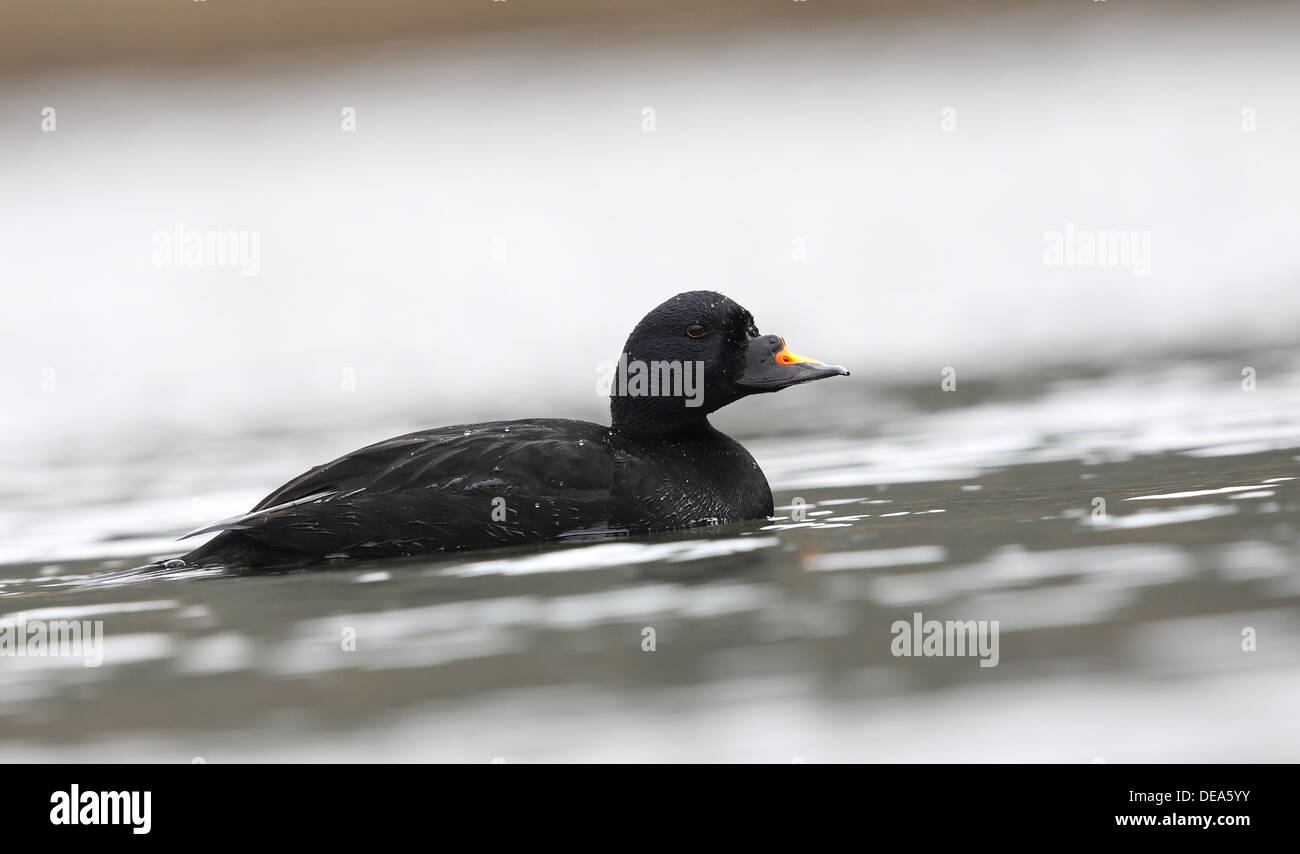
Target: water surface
1120, 626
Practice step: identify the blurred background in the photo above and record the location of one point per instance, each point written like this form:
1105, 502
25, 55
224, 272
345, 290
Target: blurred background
456, 211
505, 198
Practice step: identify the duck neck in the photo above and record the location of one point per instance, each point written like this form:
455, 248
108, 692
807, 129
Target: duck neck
654, 419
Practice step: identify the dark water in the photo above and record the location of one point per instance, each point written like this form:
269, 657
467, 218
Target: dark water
1121, 626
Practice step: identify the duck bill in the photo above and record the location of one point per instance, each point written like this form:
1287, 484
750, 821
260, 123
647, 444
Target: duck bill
770, 366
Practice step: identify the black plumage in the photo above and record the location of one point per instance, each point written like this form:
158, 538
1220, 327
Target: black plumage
659, 466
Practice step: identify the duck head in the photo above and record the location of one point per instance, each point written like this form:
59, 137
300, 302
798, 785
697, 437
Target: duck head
694, 354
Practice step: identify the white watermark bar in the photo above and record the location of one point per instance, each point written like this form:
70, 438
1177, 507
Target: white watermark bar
74, 807
230, 248
951, 638
1088, 248
23, 638
637, 378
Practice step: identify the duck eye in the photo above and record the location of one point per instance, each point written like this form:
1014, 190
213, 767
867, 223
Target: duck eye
695, 330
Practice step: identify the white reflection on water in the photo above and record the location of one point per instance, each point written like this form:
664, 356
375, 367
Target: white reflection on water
1156, 518
1197, 493
877, 558
610, 554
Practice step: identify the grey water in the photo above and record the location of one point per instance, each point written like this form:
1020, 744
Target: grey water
1122, 623
1111, 474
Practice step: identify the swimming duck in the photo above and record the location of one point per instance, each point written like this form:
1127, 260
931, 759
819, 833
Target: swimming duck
660, 465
